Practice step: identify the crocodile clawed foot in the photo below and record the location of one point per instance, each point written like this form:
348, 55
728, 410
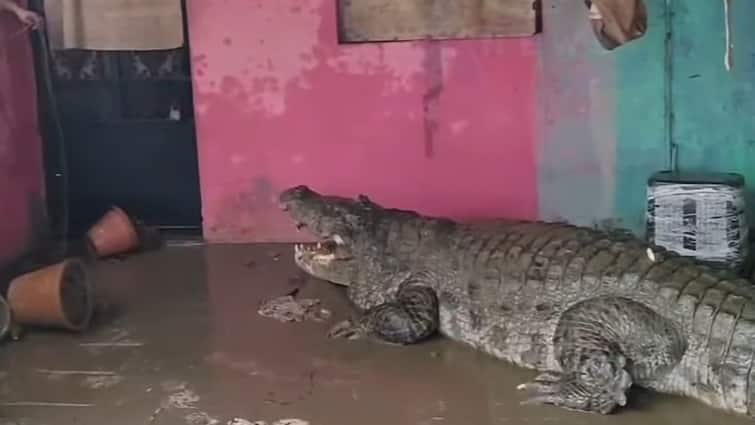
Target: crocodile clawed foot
544, 387
566, 391
347, 329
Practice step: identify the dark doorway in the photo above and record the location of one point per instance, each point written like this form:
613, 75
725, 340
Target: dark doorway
123, 133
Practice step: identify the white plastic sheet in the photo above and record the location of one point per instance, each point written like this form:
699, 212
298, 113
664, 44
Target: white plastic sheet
706, 221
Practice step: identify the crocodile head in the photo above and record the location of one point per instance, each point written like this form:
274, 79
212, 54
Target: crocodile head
336, 222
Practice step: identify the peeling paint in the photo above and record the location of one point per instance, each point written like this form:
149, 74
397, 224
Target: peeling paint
268, 68
459, 126
237, 160
290, 106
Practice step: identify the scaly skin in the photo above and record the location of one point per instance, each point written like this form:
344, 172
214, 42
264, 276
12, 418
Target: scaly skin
596, 311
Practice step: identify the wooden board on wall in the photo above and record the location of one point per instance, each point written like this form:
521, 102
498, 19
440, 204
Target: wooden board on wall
390, 20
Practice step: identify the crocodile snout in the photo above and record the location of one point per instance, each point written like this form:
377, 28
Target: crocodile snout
294, 194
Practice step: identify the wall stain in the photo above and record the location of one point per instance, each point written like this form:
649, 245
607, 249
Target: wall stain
351, 111
433, 66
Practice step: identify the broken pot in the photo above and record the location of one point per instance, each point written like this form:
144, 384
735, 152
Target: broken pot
115, 233
57, 296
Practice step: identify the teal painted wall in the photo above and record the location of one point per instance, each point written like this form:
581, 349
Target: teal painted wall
641, 117
604, 115
714, 110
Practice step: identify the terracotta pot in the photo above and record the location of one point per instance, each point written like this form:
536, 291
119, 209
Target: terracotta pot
57, 296
5, 318
113, 234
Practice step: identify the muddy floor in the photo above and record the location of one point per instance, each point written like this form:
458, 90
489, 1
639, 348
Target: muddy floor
180, 341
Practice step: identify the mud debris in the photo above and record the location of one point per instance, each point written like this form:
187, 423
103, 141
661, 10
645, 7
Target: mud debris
288, 309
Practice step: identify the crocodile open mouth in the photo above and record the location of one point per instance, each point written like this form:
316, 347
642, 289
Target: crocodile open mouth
325, 248
328, 260
328, 249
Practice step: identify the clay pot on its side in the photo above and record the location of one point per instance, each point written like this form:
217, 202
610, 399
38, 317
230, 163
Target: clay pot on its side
57, 296
113, 234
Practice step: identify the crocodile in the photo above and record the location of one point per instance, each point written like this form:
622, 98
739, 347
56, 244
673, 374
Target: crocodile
594, 312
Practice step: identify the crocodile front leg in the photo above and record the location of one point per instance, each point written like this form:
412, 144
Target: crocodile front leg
604, 346
597, 384
409, 318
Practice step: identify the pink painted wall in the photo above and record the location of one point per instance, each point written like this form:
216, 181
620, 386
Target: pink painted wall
21, 172
445, 128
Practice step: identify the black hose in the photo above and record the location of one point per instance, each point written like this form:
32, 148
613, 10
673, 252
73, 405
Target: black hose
44, 57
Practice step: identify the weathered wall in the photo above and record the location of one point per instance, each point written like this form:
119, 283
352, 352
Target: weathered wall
602, 119
21, 173
713, 108
605, 125
445, 128
551, 126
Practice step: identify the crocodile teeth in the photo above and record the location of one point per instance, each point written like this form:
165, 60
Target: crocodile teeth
324, 258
